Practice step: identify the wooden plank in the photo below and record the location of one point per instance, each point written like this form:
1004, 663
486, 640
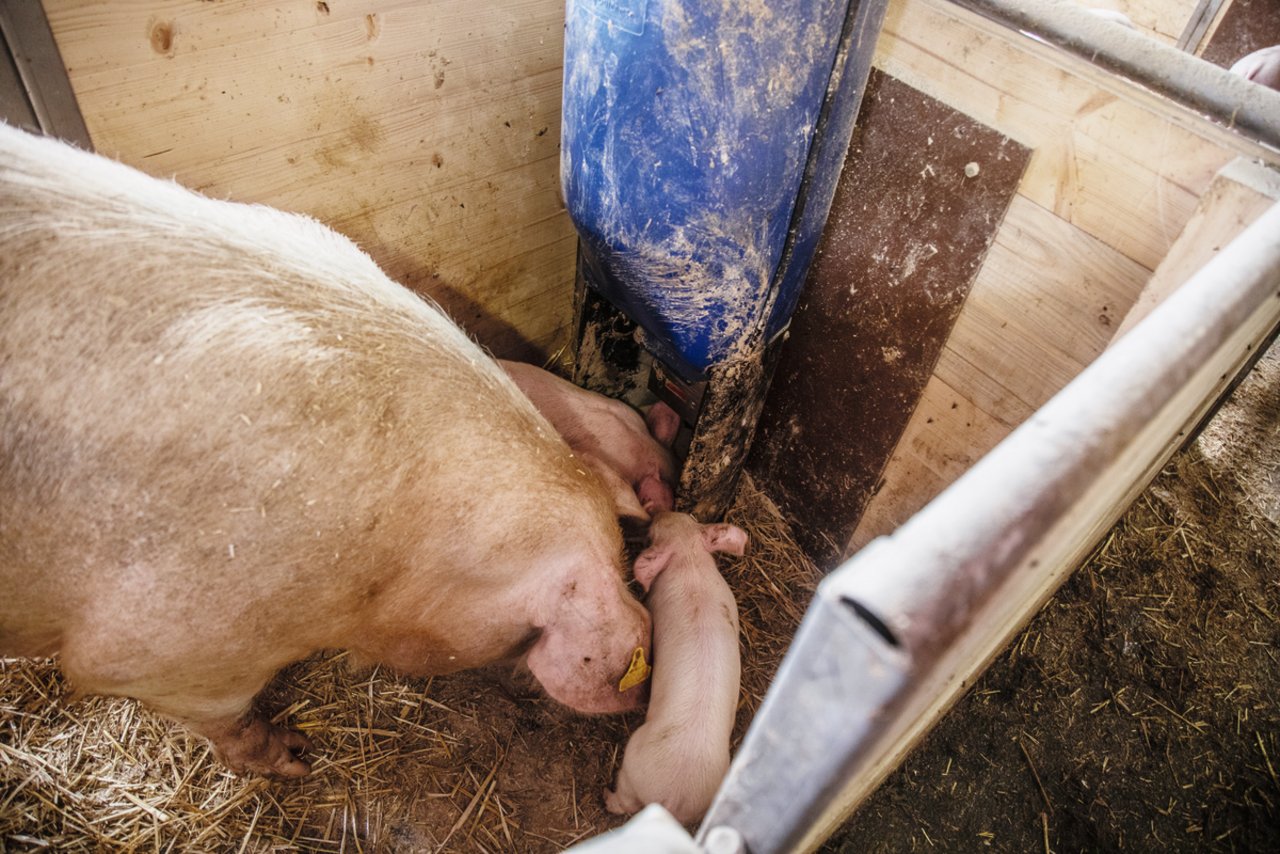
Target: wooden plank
907, 232
429, 133
1056, 285
1202, 18
1211, 29
1237, 197
1114, 179
1110, 158
946, 435
993, 376
1043, 306
1161, 19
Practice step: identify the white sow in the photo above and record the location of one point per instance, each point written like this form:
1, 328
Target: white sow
228, 440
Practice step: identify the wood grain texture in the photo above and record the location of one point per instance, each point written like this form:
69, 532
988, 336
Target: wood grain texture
1161, 19
1238, 196
1042, 308
1118, 164
1114, 177
427, 132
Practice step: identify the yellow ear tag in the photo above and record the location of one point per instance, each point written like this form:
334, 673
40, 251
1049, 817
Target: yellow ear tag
636, 673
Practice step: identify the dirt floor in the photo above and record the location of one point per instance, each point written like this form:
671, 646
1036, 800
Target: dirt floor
1138, 712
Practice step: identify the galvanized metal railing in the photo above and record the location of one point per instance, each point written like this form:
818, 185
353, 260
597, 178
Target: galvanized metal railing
895, 634
1211, 91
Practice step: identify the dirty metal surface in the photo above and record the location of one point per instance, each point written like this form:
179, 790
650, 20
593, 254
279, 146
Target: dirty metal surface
923, 193
608, 356
684, 149
714, 435
731, 406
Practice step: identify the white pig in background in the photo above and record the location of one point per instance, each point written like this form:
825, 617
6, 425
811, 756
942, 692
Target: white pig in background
228, 440
1261, 66
680, 755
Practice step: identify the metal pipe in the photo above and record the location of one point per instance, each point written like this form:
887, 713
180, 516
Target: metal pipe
1224, 97
894, 634
25, 29
823, 709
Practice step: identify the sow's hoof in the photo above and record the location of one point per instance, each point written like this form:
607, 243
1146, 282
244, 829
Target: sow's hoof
257, 747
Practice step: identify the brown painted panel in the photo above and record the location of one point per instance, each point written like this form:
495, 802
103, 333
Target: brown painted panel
923, 192
1246, 26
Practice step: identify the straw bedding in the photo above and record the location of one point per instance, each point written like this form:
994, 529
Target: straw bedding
1137, 711
469, 762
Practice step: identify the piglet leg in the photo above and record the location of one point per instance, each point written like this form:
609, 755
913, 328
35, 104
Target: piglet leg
620, 803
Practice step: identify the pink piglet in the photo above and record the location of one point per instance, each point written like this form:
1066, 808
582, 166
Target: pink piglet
681, 753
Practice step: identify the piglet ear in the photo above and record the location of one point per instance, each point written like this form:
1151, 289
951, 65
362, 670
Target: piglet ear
651, 562
723, 537
663, 423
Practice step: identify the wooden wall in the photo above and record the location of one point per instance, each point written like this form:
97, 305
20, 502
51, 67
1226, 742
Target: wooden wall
888, 388
1163, 20
902, 246
426, 131
1221, 38
1114, 176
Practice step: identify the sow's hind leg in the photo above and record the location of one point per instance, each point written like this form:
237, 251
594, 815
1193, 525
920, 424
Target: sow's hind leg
211, 695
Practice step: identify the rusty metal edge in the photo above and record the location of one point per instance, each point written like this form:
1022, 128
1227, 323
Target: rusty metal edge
35, 54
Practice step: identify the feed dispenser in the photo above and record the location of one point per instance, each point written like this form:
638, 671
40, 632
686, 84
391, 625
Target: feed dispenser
701, 145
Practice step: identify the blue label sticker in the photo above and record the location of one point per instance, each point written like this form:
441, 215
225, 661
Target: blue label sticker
627, 15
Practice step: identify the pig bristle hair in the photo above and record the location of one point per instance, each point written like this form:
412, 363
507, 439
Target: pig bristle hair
343, 342
460, 763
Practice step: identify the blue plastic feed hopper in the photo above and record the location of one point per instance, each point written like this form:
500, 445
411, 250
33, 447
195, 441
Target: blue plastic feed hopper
701, 145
